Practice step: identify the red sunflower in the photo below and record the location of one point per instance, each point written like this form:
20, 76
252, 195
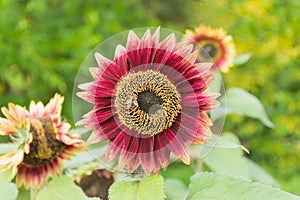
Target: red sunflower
41, 141
149, 101
212, 44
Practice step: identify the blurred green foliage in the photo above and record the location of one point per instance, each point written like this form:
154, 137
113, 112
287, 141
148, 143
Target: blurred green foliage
269, 30
42, 44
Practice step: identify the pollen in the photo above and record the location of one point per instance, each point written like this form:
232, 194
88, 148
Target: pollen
44, 146
147, 102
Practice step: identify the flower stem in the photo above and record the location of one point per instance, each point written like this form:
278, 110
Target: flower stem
33, 193
199, 166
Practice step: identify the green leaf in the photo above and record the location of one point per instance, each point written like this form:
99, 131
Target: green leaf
9, 191
126, 177
217, 83
79, 131
217, 141
8, 147
83, 157
227, 161
179, 171
175, 189
242, 59
123, 190
221, 142
259, 174
4, 138
230, 161
23, 193
59, 188
152, 187
239, 101
5, 177
213, 186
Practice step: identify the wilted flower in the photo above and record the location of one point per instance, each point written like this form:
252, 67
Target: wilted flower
212, 44
93, 179
41, 141
149, 100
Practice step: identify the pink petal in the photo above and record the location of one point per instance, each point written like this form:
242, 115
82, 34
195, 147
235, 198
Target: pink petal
95, 72
204, 67
54, 106
192, 57
168, 43
120, 51
124, 151
134, 164
96, 117
146, 154
86, 86
16, 114
164, 49
145, 42
85, 96
108, 68
7, 127
121, 60
115, 147
183, 50
102, 61
132, 41
36, 109
177, 146
155, 37
161, 153
66, 139
145, 48
20, 179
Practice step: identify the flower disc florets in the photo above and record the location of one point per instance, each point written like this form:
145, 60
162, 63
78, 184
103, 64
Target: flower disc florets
147, 102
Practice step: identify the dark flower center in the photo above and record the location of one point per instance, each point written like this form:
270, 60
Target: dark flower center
208, 51
147, 102
44, 146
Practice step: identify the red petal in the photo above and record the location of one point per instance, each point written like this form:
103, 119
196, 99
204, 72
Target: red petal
108, 68
146, 154
115, 147
155, 37
132, 41
97, 117
177, 146
162, 153
164, 49
134, 164
145, 48
128, 154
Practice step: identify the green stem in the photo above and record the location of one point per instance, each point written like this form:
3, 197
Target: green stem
199, 166
33, 193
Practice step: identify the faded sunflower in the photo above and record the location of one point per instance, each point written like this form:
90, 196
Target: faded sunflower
149, 100
212, 44
41, 139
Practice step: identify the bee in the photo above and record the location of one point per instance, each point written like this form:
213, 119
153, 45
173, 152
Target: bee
132, 102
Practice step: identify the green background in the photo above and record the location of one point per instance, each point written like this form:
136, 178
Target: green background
43, 43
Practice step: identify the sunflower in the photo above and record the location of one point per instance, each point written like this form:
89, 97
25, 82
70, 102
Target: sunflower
212, 44
42, 144
149, 101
